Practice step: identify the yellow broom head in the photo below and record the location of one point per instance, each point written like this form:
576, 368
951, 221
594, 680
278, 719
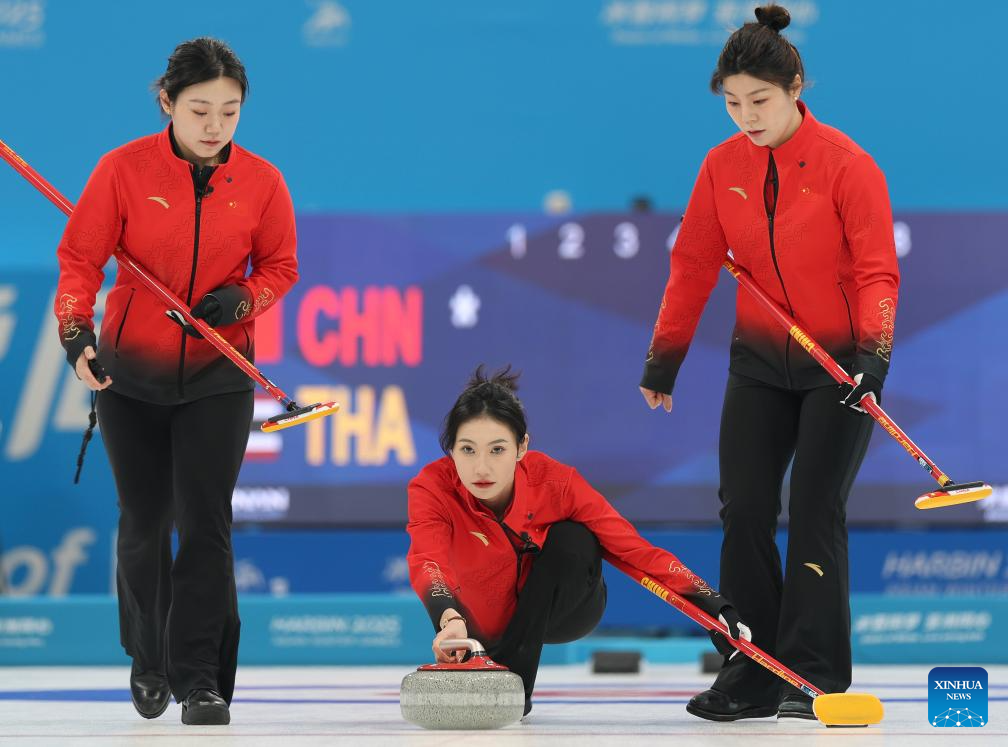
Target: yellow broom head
847, 709
299, 416
953, 495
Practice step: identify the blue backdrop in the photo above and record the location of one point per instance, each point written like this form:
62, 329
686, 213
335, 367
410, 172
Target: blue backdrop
422, 142
386, 105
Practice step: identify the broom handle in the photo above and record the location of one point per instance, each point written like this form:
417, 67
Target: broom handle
836, 371
151, 283
707, 622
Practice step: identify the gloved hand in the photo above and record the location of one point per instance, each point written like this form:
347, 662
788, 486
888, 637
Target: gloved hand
208, 309
866, 384
730, 619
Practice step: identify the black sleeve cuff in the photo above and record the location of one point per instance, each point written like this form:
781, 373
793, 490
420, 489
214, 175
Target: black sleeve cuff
76, 346
436, 607
659, 378
712, 603
870, 363
235, 302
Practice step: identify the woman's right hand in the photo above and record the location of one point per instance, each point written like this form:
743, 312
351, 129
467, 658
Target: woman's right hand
84, 371
654, 399
454, 629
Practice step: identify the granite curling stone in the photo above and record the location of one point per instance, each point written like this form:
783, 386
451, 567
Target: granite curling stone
475, 694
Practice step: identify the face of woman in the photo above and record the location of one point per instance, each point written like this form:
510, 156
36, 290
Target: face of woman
204, 118
764, 111
486, 455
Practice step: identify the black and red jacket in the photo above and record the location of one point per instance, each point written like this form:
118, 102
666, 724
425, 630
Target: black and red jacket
462, 557
197, 231
812, 223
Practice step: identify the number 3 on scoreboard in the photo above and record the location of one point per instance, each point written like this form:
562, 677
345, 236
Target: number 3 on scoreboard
627, 241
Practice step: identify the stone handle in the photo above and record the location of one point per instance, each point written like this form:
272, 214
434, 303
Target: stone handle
470, 643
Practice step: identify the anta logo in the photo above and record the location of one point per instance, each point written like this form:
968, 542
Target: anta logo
481, 537
740, 191
815, 568
160, 201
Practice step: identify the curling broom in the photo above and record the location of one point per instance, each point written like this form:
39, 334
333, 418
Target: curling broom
952, 493
832, 709
293, 414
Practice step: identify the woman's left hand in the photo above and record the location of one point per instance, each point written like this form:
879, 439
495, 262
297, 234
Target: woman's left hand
866, 385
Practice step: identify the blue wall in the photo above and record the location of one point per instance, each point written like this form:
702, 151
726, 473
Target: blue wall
454, 105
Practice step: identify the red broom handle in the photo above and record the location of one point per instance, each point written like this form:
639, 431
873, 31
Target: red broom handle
835, 370
152, 283
707, 622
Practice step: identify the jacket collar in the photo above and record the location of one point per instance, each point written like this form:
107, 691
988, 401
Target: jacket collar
169, 149
797, 145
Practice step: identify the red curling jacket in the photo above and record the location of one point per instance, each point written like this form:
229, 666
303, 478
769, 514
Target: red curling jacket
811, 222
195, 237
462, 557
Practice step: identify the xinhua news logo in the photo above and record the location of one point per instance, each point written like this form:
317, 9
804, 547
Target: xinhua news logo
957, 696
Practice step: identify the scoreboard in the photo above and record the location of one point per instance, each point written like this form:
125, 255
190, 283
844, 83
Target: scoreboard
393, 312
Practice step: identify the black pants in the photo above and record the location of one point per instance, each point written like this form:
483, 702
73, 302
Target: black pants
563, 600
800, 616
177, 465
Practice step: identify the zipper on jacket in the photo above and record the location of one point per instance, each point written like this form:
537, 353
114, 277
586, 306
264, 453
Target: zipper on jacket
201, 178
122, 323
771, 211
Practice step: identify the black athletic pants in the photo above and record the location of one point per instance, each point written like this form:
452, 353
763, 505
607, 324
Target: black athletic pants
563, 600
177, 465
800, 616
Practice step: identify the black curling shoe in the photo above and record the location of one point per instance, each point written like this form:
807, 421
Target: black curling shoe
796, 706
150, 692
715, 705
205, 708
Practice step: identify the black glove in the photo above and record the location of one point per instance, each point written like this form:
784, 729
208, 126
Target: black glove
738, 629
866, 384
209, 309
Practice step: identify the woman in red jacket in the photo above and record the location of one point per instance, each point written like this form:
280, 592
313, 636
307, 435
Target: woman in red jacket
805, 210
196, 210
507, 544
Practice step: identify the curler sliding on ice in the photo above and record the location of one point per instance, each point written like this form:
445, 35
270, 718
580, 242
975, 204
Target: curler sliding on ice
294, 414
952, 493
506, 547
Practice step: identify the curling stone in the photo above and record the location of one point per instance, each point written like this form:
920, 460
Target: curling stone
475, 694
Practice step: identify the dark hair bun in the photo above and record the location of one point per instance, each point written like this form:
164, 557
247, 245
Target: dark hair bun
483, 383
491, 396
774, 16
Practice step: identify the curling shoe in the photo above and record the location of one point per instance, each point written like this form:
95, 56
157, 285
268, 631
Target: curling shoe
205, 708
796, 706
150, 692
715, 705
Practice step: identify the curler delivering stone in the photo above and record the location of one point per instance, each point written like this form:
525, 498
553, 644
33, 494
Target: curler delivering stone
475, 694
